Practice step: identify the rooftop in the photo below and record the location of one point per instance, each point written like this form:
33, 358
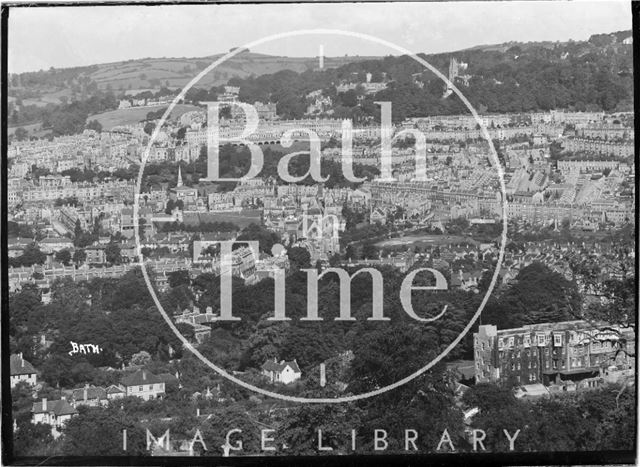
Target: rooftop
19, 366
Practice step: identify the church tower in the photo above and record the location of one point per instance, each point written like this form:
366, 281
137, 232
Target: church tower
179, 176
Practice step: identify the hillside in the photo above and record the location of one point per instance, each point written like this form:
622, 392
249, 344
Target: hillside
515, 77
596, 74
59, 86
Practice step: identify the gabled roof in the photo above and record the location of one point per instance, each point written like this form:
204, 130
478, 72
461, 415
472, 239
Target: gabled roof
59, 408
141, 377
19, 366
272, 365
113, 389
93, 392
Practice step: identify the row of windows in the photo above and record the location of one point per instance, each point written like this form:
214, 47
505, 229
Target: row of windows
141, 388
541, 339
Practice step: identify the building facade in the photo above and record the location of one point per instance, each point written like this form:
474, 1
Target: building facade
550, 352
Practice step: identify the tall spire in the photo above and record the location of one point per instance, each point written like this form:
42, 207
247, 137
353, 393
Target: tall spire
180, 176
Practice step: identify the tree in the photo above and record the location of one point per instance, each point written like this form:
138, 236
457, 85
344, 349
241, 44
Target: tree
369, 251
30, 256
94, 125
63, 256
20, 134
112, 253
299, 257
265, 238
141, 358
178, 278
149, 127
97, 431
79, 256
182, 131
33, 439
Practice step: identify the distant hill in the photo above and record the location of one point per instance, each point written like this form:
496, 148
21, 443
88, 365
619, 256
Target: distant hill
52, 86
596, 74
591, 75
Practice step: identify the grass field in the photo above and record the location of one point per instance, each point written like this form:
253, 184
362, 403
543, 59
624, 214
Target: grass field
424, 240
113, 118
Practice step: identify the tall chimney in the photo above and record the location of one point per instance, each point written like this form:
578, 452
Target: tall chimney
21, 360
44, 404
144, 375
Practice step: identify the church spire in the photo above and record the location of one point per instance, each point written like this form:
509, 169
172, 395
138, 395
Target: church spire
180, 176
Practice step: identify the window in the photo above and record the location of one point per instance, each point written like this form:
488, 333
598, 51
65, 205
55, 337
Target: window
527, 341
151, 387
541, 339
500, 343
557, 340
140, 388
511, 342
555, 364
482, 346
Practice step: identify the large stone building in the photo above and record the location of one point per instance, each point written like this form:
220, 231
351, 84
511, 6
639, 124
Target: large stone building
550, 352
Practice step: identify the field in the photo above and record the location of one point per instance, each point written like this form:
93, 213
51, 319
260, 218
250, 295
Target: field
424, 240
177, 72
113, 118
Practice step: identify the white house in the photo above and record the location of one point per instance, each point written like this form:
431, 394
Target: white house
21, 371
53, 413
143, 384
283, 372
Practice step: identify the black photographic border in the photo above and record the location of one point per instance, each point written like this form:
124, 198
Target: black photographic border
435, 459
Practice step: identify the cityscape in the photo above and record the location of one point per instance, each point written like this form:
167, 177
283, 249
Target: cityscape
454, 283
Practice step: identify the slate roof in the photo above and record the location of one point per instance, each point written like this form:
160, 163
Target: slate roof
141, 377
272, 365
59, 407
93, 392
19, 366
113, 389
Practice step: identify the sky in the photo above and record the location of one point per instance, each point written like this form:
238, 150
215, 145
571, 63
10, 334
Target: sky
44, 37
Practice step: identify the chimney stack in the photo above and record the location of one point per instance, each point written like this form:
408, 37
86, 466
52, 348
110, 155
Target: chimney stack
144, 375
21, 360
44, 404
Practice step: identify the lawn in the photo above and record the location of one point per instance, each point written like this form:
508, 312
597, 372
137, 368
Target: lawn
132, 115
